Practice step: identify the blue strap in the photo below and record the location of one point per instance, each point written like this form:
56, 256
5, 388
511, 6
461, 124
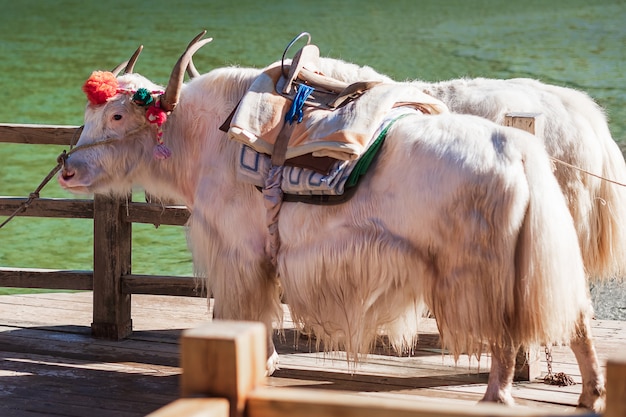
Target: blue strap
295, 112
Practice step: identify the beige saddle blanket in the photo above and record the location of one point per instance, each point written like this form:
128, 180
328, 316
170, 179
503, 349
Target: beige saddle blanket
341, 133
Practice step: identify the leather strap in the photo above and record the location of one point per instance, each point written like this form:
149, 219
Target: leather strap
279, 153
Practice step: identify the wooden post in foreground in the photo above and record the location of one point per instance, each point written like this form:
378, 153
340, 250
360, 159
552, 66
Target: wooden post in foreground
194, 407
527, 365
111, 260
616, 387
223, 359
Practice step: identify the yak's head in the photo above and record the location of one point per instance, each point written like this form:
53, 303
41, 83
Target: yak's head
123, 132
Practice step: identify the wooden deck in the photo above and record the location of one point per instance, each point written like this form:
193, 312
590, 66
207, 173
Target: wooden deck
50, 364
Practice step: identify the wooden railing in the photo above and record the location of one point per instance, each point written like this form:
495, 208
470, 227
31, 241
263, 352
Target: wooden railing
223, 366
111, 279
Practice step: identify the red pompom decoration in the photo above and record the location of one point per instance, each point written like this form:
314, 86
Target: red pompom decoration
156, 115
100, 86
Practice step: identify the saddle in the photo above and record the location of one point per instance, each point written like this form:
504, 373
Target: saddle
306, 137
299, 117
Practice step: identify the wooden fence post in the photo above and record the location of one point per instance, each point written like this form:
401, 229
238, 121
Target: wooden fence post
194, 407
616, 387
223, 359
111, 260
527, 364
530, 122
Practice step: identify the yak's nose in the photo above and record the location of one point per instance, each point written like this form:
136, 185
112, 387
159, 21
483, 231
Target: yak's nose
66, 175
67, 172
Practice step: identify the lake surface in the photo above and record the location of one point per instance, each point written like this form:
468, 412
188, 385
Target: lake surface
49, 48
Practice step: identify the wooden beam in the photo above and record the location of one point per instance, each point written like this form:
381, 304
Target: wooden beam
616, 387
288, 402
112, 259
194, 407
53, 279
224, 359
37, 134
156, 214
48, 207
162, 285
135, 212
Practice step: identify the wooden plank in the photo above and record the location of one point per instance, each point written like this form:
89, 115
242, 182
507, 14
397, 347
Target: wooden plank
135, 212
55, 279
47, 336
150, 312
287, 402
112, 259
616, 387
194, 407
162, 285
224, 359
156, 214
75, 342
69, 386
48, 207
38, 134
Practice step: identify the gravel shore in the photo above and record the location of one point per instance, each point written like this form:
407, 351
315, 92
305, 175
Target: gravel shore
609, 299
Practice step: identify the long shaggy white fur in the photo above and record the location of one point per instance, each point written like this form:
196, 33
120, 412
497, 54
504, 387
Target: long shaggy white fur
575, 131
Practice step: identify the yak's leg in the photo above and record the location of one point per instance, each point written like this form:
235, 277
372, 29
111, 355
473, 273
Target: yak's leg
593, 393
501, 375
272, 355
257, 301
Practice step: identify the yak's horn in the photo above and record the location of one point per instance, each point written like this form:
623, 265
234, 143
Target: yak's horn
172, 93
128, 65
191, 70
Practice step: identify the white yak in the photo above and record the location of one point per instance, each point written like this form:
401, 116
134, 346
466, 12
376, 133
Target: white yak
457, 214
575, 131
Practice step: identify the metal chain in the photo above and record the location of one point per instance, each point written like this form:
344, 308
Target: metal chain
549, 361
561, 378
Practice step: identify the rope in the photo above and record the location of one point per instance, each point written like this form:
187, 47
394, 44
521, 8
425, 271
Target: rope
60, 162
296, 112
621, 184
35, 194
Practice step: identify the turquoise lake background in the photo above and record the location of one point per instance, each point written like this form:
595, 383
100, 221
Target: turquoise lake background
48, 49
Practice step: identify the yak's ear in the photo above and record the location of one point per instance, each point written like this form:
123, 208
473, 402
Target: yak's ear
129, 65
172, 93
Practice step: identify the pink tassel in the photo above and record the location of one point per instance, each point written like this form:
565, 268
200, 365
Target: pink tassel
161, 151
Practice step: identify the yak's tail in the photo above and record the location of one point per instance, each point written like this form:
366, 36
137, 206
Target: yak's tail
606, 256
550, 285
595, 186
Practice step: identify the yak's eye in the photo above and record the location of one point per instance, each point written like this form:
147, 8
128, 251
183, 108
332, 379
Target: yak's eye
117, 117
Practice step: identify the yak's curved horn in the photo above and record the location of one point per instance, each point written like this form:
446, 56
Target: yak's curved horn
172, 93
128, 65
191, 70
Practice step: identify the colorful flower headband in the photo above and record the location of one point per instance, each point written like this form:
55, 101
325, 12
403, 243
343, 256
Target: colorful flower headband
103, 85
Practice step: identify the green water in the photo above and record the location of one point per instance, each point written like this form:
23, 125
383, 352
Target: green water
49, 48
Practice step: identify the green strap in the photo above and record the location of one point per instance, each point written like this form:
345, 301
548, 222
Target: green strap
366, 159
